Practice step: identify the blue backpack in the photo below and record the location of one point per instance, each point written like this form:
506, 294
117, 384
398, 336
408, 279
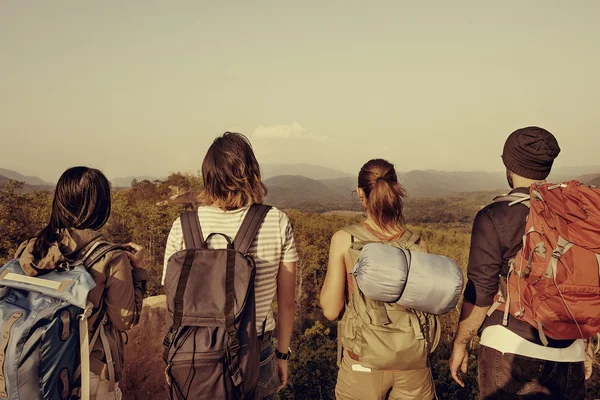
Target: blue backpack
44, 330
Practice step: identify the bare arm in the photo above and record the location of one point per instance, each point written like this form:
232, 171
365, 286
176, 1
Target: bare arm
286, 302
471, 318
485, 264
333, 292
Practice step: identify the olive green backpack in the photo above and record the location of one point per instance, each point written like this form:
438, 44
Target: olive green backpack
384, 336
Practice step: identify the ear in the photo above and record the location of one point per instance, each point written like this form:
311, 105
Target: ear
360, 193
361, 196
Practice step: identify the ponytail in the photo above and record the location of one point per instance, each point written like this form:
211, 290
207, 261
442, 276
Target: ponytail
383, 193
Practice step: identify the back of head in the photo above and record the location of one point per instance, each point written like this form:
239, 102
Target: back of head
231, 173
530, 152
383, 194
81, 201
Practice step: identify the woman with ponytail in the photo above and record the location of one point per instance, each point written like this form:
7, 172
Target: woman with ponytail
382, 197
81, 206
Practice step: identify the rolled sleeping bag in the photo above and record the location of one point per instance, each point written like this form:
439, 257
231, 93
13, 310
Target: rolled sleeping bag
421, 281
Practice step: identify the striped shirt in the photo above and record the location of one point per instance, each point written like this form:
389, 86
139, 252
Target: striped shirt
273, 245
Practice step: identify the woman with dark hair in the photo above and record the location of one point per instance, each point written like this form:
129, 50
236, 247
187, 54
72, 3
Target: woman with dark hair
232, 183
81, 206
370, 330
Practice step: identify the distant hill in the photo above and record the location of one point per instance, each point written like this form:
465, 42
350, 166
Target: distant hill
26, 187
125, 182
298, 191
590, 179
30, 180
560, 174
294, 191
430, 183
307, 170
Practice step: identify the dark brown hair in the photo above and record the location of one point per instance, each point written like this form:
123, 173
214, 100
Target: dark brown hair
383, 193
231, 173
81, 201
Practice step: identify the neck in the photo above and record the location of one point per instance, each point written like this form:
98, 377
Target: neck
519, 181
376, 227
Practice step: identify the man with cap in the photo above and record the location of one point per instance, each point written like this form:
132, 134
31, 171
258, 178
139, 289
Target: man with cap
512, 362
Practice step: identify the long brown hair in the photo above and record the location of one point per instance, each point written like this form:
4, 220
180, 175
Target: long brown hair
231, 173
81, 201
384, 195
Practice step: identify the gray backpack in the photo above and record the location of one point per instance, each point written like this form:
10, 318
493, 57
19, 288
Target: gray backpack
211, 348
44, 340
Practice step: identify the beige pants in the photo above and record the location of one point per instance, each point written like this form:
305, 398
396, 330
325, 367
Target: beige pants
358, 383
101, 389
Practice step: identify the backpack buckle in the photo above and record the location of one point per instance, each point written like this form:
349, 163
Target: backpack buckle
169, 338
234, 344
236, 377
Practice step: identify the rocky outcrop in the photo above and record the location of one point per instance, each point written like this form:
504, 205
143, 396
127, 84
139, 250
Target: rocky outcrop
144, 377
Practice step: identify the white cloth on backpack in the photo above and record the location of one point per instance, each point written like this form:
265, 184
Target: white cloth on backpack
504, 340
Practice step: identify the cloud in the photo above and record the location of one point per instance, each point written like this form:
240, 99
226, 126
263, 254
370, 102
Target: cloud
282, 131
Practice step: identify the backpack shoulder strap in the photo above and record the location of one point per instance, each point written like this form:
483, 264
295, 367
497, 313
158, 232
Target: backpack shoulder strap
515, 198
250, 225
361, 233
192, 232
98, 250
409, 237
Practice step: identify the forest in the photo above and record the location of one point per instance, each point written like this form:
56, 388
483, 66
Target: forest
143, 214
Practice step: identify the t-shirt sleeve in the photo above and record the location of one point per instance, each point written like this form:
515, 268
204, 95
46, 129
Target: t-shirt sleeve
174, 244
485, 262
288, 247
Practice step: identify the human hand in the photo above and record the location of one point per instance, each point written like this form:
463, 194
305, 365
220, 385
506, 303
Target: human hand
282, 371
589, 359
459, 359
136, 255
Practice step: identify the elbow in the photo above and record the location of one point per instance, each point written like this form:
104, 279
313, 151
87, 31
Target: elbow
331, 312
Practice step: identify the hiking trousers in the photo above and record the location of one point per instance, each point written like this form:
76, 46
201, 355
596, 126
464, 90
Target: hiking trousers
357, 383
512, 376
268, 380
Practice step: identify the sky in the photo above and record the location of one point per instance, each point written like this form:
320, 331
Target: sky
143, 87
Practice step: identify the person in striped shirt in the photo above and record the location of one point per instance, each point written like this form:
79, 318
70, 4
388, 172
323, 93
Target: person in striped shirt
232, 182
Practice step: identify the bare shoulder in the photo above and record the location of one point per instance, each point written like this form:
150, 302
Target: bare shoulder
341, 239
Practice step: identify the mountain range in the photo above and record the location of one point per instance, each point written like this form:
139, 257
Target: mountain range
291, 185
296, 191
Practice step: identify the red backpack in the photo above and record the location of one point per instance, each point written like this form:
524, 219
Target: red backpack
554, 280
